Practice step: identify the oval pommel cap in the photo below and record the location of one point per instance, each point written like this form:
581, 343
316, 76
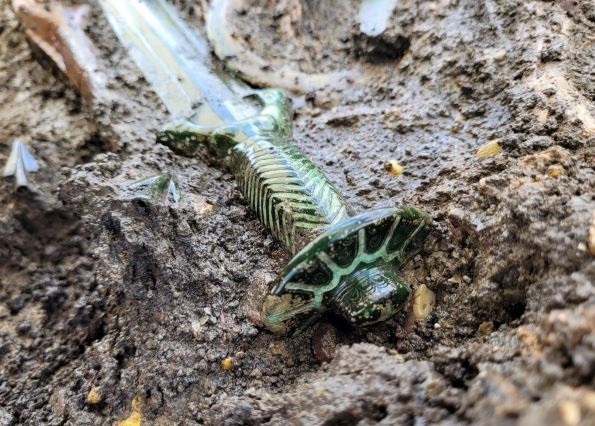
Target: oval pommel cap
350, 270
369, 295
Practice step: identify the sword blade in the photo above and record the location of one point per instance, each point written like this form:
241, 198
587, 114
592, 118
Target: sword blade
173, 58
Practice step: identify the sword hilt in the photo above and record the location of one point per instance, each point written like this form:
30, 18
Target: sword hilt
343, 262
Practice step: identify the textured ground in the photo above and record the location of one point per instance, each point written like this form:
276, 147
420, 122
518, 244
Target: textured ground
110, 302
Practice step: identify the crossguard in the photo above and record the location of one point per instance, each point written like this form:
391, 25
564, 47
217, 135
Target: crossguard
349, 269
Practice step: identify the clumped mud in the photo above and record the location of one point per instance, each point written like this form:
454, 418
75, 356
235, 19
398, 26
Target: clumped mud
107, 297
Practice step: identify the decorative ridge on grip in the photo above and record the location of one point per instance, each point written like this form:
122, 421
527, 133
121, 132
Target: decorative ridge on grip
291, 196
343, 263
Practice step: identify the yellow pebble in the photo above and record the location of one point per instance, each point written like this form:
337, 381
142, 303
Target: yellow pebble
570, 412
393, 167
227, 363
94, 395
555, 170
489, 149
135, 416
423, 302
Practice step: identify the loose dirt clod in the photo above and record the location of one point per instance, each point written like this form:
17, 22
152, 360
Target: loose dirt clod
324, 342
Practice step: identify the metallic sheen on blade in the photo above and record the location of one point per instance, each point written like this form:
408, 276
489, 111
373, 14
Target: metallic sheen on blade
173, 58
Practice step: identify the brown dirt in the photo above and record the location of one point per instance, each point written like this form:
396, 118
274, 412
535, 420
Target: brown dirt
103, 290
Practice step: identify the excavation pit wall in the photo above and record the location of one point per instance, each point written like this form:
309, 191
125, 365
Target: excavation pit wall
114, 307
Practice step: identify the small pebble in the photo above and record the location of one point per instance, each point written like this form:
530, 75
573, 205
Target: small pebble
227, 363
423, 302
555, 170
500, 55
393, 167
485, 328
489, 149
94, 396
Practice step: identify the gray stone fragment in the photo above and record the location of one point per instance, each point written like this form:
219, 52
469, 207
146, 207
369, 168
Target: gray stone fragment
19, 163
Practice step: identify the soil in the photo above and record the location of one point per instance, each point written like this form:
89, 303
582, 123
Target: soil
115, 306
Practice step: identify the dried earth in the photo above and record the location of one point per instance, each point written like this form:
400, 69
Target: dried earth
114, 306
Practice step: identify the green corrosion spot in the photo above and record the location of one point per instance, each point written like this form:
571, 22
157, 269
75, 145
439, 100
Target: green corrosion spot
160, 187
343, 263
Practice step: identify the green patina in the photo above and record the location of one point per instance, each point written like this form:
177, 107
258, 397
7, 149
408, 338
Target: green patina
343, 263
163, 186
